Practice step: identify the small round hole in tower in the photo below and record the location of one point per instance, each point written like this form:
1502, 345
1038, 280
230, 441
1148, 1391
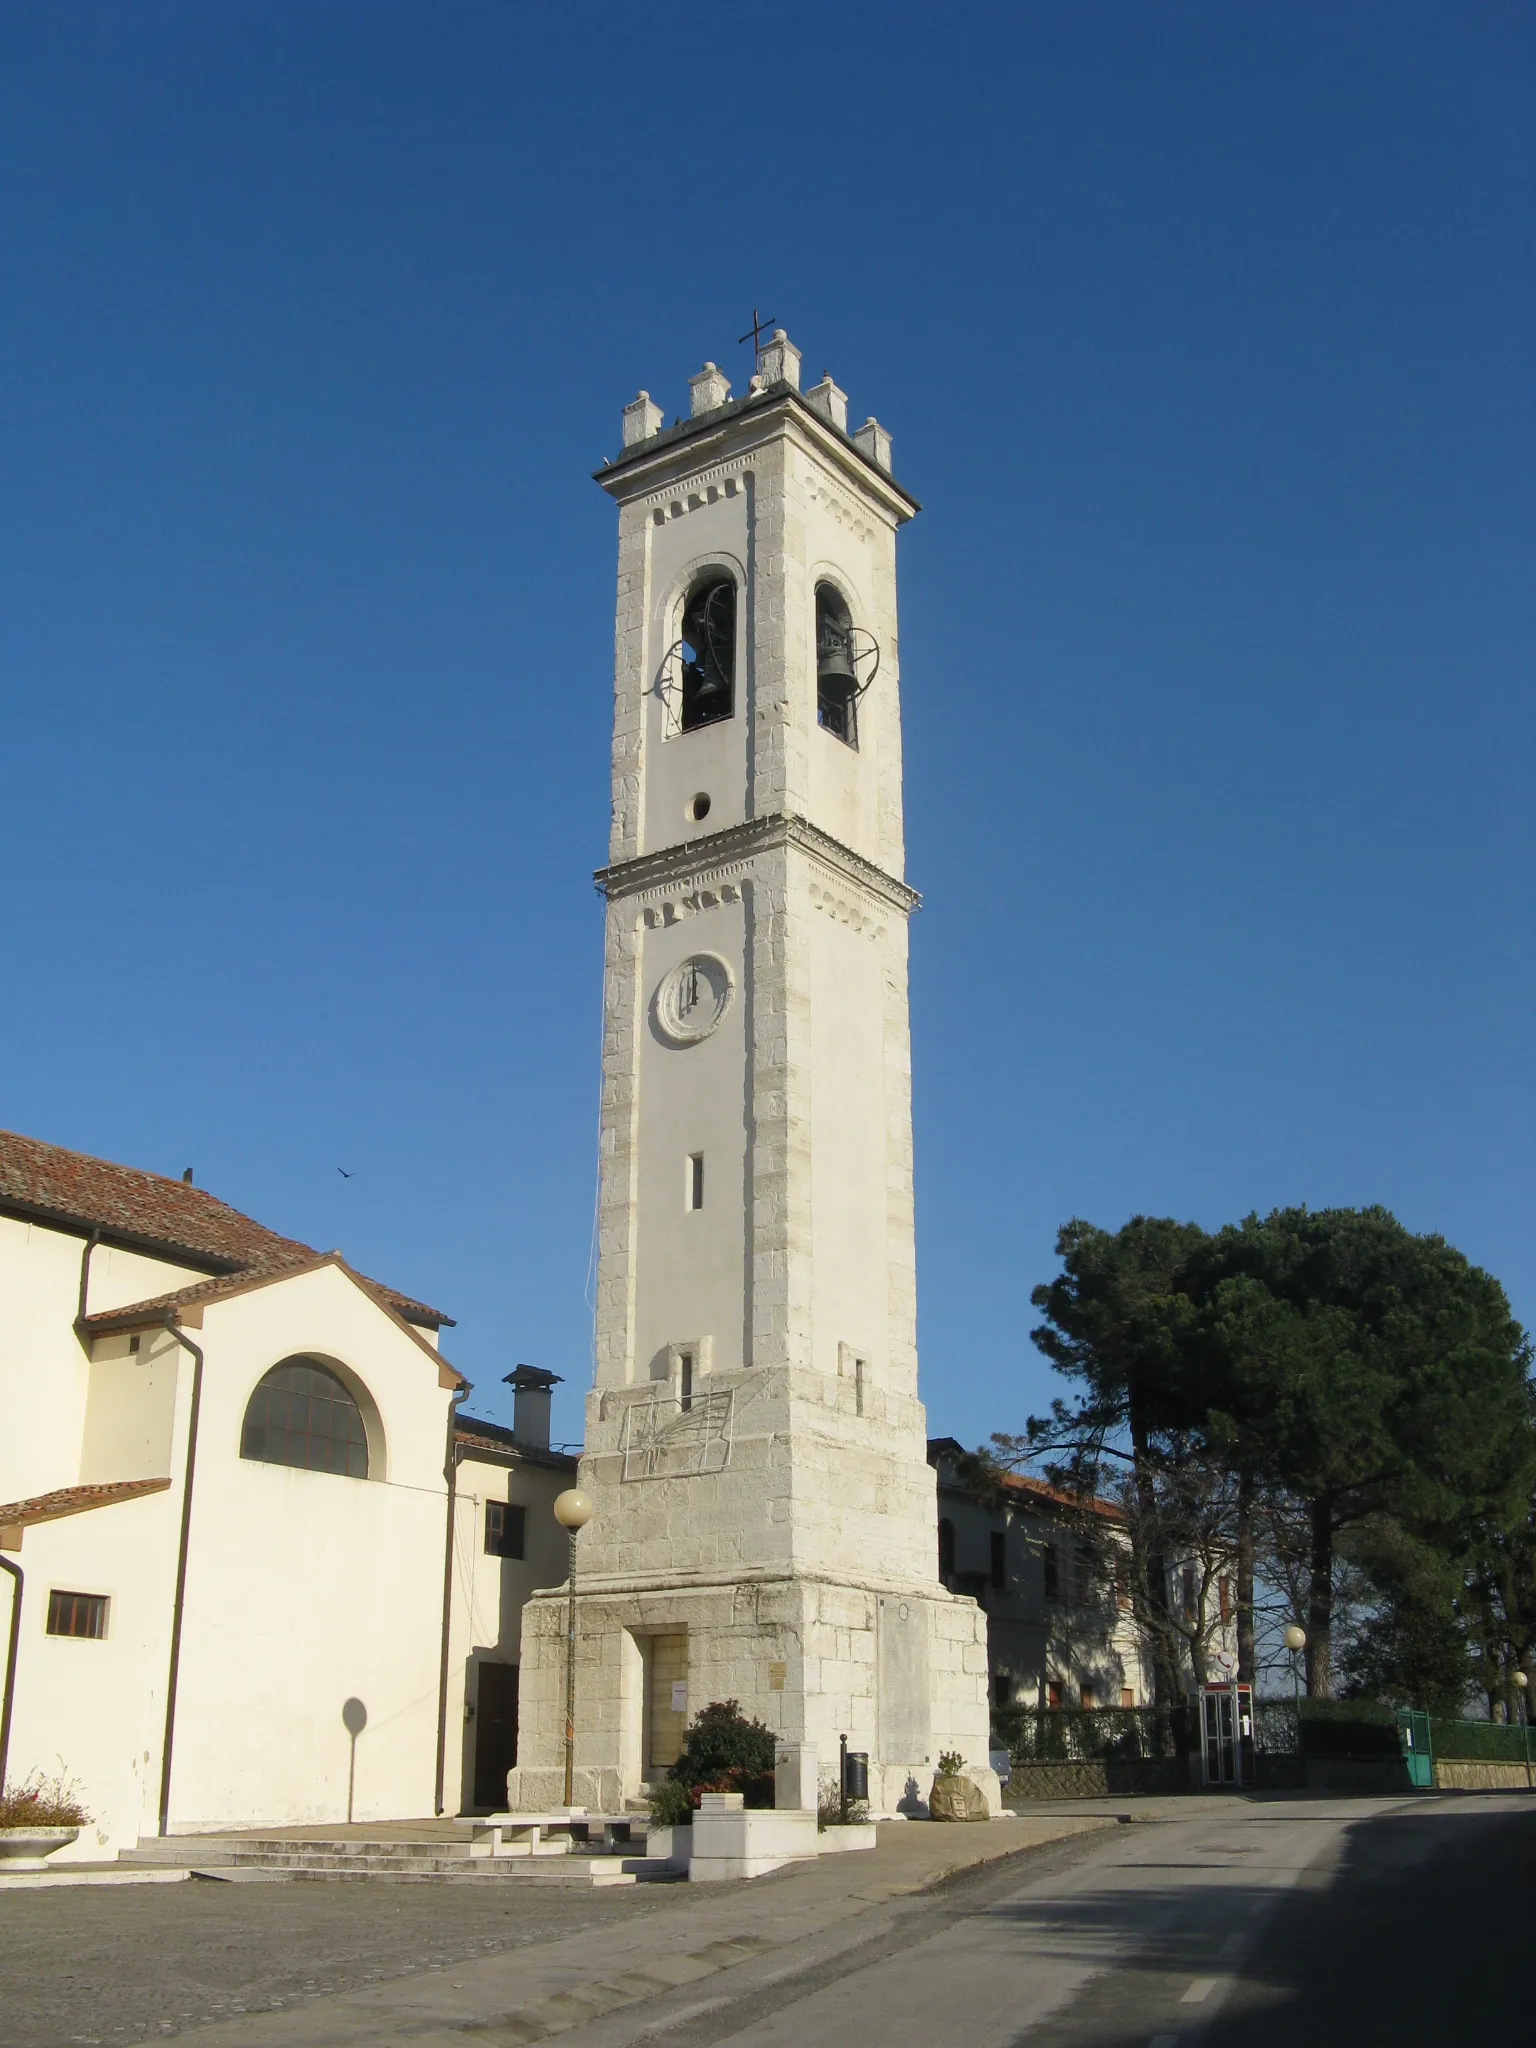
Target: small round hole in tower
698, 809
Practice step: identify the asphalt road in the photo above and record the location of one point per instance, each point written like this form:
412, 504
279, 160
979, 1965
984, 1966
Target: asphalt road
1303, 1924
1221, 1923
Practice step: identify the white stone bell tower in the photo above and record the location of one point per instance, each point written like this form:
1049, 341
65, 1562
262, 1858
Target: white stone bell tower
765, 1525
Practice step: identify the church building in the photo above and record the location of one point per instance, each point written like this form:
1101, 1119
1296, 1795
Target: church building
765, 1524
256, 1568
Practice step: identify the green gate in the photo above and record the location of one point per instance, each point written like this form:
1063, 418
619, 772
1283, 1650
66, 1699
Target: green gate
1413, 1740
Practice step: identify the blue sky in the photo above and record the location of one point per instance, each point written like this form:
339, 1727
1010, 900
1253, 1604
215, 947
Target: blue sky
1205, 332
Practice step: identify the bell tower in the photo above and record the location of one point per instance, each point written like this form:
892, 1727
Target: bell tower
765, 1522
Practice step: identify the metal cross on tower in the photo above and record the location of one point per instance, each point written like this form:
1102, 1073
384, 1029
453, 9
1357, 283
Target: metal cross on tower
755, 334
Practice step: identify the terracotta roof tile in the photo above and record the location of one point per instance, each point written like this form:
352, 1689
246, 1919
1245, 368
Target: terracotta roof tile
172, 1217
74, 1500
1037, 1489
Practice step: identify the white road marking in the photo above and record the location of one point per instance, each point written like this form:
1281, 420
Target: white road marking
1200, 1991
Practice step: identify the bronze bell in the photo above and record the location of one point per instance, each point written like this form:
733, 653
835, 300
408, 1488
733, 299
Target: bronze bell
834, 659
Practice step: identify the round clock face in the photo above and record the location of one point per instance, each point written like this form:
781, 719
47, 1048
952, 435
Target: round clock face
692, 997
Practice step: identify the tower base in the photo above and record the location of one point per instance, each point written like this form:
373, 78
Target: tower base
902, 1672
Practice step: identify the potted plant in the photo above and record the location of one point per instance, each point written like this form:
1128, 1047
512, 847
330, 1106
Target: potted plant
36, 1819
954, 1796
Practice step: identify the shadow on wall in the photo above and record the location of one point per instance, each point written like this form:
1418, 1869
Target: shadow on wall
354, 1718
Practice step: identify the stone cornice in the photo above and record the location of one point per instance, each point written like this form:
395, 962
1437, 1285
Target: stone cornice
737, 842
737, 427
615, 1585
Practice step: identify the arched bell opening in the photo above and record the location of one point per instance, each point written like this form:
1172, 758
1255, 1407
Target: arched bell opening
837, 682
708, 653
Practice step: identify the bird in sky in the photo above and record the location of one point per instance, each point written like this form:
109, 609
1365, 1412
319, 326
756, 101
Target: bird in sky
344, 1173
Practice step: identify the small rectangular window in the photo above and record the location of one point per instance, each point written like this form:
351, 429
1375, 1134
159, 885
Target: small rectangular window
77, 1614
693, 1182
1050, 1558
685, 1379
858, 1386
999, 1560
506, 1529
1085, 1696
1053, 1692
1127, 1696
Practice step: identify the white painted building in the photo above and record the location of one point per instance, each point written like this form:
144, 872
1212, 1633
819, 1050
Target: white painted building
755, 1445
1051, 1575
299, 1635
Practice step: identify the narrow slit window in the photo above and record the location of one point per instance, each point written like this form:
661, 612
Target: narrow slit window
693, 1181
858, 1386
685, 1379
999, 1560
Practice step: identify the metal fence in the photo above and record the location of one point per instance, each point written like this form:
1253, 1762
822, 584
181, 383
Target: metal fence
1035, 1735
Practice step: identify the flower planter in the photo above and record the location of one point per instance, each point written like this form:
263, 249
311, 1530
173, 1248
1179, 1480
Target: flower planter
29, 1848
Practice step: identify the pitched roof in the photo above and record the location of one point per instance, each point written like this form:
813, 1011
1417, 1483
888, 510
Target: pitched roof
1024, 1488
1021, 1486
74, 1500
169, 1218
477, 1435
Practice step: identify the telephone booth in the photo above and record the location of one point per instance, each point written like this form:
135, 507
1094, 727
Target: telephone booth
1226, 1733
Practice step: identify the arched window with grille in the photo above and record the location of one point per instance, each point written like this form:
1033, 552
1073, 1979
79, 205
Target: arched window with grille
303, 1414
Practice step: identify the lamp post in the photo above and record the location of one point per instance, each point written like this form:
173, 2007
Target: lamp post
1295, 1640
573, 1511
1522, 1680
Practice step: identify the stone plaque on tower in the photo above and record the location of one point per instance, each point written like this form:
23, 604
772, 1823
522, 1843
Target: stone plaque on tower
764, 1523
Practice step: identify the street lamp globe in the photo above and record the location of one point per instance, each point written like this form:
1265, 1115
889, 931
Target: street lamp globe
573, 1509
1522, 1679
1295, 1638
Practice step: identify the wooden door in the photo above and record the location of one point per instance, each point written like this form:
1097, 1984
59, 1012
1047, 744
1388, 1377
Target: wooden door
495, 1734
667, 1707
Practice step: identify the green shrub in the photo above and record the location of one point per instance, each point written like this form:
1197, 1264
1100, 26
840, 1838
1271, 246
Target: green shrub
951, 1763
1481, 1742
671, 1805
725, 1751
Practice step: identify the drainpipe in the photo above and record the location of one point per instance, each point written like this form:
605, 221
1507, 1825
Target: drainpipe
85, 1279
181, 1569
451, 1475
9, 1699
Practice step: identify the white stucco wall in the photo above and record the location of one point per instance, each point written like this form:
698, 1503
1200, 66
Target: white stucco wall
489, 1593
44, 1371
304, 1589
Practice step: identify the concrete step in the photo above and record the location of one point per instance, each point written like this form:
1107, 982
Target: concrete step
272, 1858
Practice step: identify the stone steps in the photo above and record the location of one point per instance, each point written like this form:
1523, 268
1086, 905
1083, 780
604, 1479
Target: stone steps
398, 1862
